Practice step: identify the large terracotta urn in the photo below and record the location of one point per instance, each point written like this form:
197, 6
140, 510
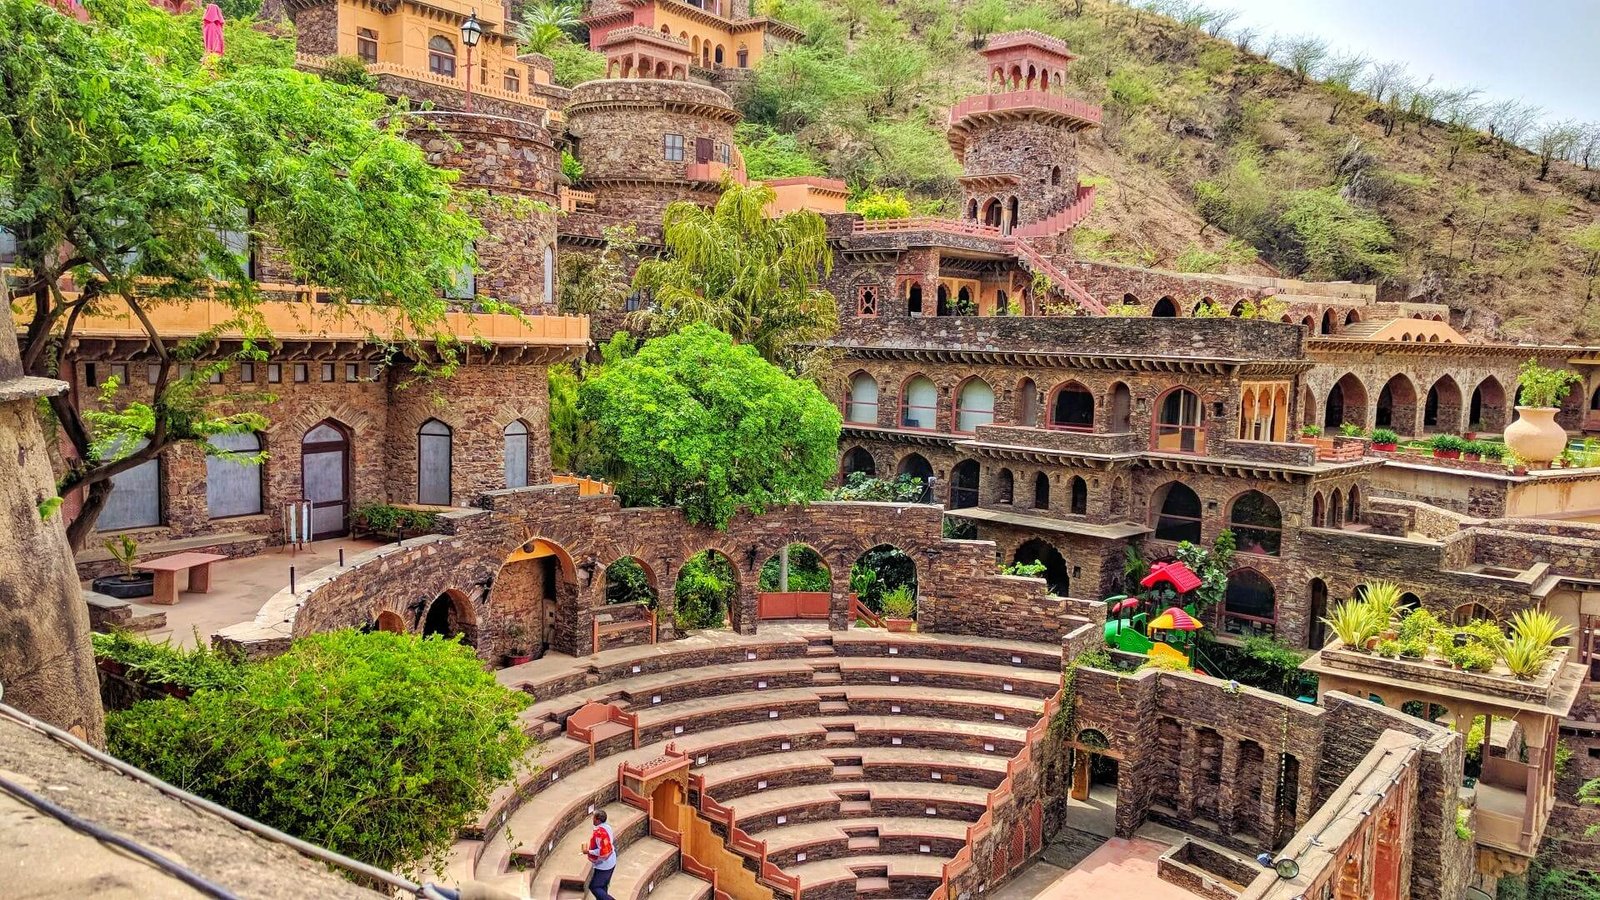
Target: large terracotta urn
1535, 436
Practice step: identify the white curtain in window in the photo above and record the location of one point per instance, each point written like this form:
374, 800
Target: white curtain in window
864, 399
135, 500
516, 455
922, 404
233, 488
433, 463
976, 405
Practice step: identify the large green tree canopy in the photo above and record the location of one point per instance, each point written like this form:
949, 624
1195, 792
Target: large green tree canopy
135, 171
753, 276
697, 421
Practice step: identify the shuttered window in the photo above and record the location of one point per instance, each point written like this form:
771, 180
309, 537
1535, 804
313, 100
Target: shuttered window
135, 500
517, 454
233, 487
433, 463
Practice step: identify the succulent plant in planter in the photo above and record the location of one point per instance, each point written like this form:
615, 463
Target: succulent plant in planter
130, 584
518, 649
1384, 439
1350, 429
1447, 446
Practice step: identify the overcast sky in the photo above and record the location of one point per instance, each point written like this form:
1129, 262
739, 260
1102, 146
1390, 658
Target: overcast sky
1543, 51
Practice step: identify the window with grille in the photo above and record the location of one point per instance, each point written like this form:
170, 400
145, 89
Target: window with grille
441, 56
672, 147
367, 45
233, 486
512, 82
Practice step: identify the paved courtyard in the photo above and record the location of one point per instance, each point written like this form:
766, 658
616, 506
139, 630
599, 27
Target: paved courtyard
239, 587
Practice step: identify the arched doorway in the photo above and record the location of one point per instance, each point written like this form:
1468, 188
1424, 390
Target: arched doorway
883, 570
1397, 406
1347, 402
1317, 631
1121, 417
1175, 510
1250, 606
451, 614
1057, 574
536, 583
964, 484
917, 466
857, 459
1442, 410
706, 594
628, 580
1165, 308
390, 621
325, 477
1093, 767
1488, 409
1328, 326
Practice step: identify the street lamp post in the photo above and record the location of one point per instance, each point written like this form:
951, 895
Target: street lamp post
471, 31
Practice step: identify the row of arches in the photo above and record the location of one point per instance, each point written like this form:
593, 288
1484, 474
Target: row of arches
1337, 509
1018, 78
1177, 514
998, 212
1396, 405
1177, 426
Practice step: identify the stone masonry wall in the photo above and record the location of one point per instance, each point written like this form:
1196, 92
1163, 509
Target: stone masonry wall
1030, 149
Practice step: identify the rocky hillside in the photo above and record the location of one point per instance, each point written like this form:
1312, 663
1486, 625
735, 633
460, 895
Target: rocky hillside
1213, 156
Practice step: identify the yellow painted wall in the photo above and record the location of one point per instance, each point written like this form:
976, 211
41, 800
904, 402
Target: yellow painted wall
681, 25
403, 37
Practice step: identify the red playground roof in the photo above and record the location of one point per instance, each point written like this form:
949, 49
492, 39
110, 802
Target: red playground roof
1182, 579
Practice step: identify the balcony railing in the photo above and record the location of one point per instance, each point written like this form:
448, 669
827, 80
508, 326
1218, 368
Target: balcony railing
311, 61
1011, 100
713, 171
928, 223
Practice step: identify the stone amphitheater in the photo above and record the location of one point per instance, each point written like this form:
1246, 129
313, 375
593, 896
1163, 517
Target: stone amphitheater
855, 763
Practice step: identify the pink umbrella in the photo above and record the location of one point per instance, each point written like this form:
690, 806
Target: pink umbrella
213, 29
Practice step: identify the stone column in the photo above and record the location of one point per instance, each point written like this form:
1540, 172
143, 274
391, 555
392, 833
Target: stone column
46, 666
1189, 766
1228, 790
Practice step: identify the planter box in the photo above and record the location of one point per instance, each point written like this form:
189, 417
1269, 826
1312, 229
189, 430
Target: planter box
143, 584
1447, 454
1387, 448
899, 625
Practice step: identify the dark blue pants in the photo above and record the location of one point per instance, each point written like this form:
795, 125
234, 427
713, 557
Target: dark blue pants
599, 881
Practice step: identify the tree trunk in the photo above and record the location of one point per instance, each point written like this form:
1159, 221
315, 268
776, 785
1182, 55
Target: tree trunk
46, 663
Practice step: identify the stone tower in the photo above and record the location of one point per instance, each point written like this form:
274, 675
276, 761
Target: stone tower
1018, 144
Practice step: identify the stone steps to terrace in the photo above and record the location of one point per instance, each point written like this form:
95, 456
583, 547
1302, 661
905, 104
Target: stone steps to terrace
883, 876
854, 745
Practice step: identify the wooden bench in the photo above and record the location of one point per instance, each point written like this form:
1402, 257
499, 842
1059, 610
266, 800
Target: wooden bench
167, 568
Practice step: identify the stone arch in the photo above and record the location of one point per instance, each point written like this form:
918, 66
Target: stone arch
857, 459
1397, 405
1329, 323
1057, 573
1176, 512
1005, 486
1071, 406
622, 584
1027, 403
1120, 409
1078, 496
974, 404
1319, 509
1165, 308
1352, 504
891, 567
1041, 491
1487, 411
1179, 422
709, 592
964, 484
1442, 409
919, 403
1250, 604
1317, 630
1347, 402
533, 602
1257, 523
1335, 508
389, 620
451, 614
861, 401
1352, 317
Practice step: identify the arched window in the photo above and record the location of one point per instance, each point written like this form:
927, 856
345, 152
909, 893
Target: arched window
1072, 407
862, 405
972, 209
1594, 400
1335, 507
433, 463
1057, 574
135, 500
1055, 174
1328, 322
716, 57
1177, 513
516, 454
550, 274
1121, 409
964, 484
512, 81
1165, 308
1257, 523
1352, 508
441, 56
1027, 404
1011, 219
1319, 509
974, 405
1041, 491
1004, 487
1179, 426
857, 459
743, 55
941, 305
1002, 303
1080, 496
914, 299
1250, 606
919, 404
233, 487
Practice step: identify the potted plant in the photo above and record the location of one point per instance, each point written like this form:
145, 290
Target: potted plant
1535, 436
1447, 446
1384, 439
130, 584
1491, 451
1309, 434
1350, 429
1472, 451
518, 650
898, 608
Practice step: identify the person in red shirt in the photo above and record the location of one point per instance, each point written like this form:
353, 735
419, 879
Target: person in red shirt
602, 852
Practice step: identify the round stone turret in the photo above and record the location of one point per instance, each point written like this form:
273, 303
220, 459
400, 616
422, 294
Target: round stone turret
645, 143
1018, 144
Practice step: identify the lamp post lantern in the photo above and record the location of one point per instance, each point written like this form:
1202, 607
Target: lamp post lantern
471, 31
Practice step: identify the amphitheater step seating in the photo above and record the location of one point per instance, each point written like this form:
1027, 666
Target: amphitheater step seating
860, 757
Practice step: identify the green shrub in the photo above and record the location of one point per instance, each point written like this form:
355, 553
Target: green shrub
571, 166
1350, 429
1447, 443
627, 582
1384, 436
1311, 430
200, 668
1471, 656
1325, 236
1491, 450
863, 487
382, 518
1033, 569
706, 587
768, 154
380, 746
807, 572
1540, 386
348, 70
882, 205
575, 63
899, 603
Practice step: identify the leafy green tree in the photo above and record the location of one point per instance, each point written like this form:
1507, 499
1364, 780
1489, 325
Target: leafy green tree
743, 272
130, 167
1326, 236
707, 586
770, 154
881, 205
380, 746
544, 25
575, 444
574, 62
699, 422
598, 282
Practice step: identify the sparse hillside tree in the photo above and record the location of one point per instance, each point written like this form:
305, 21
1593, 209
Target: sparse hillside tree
1340, 76
1509, 121
1382, 78
1553, 141
1304, 55
1244, 38
1587, 240
1219, 22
